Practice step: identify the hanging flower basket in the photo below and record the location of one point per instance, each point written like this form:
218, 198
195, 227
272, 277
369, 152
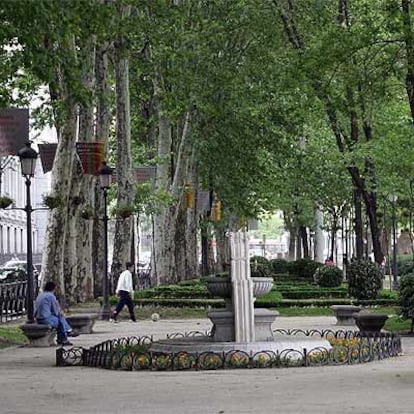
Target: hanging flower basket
52, 201
124, 212
77, 200
87, 213
5, 202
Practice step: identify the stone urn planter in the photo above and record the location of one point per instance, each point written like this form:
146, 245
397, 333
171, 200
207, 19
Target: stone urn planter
370, 322
345, 314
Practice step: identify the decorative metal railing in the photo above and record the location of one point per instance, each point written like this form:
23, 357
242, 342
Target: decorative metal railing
132, 353
12, 300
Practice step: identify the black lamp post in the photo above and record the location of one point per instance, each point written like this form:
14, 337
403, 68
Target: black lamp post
105, 174
393, 198
28, 157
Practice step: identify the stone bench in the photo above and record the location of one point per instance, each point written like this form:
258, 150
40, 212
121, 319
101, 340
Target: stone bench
83, 323
345, 314
39, 335
370, 322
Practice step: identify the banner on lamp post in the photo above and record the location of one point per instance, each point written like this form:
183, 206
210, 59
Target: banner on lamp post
253, 224
47, 156
145, 174
14, 130
203, 201
91, 155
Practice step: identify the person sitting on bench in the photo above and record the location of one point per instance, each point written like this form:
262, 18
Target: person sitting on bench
48, 312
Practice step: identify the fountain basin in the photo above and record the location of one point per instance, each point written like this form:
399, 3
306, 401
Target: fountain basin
223, 324
221, 286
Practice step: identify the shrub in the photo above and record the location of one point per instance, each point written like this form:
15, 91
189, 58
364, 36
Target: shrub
328, 276
364, 279
406, 297
304, 267
260, 260
259, 267
279, 266
53, 201
5, 202
405, 264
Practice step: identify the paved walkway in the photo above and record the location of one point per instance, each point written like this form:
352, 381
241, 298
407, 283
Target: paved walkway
30, 382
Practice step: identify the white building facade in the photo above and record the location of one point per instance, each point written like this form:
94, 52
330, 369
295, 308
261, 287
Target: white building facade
13, 221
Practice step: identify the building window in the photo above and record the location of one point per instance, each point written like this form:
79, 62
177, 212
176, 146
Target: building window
8, 241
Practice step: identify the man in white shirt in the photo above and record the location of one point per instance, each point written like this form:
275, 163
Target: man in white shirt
125, 292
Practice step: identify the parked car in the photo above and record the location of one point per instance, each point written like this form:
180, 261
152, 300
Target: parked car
16, 270
12, 274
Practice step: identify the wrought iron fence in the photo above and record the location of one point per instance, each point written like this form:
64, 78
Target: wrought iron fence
133, 353
12, 300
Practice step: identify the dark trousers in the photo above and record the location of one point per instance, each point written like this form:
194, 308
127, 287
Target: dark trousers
124, 299
60, 324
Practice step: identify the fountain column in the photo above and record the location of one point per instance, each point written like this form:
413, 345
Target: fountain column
242, 287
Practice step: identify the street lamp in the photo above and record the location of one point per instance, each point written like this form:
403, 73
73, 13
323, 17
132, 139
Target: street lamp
393, 198
28, 157
105, 174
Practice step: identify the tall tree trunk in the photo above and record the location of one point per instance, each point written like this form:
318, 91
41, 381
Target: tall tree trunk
222, 246
66, 125
319, 236
125, 185
53, 253
186, 256
78, 254
163, 264
304, 240
291, 228
165, 223
358, 226
191, 253
334, 229
84, 276
70, 261
103, 121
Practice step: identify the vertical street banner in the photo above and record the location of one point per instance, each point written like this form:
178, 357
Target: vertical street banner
203, 201
14, 130
91, 155
144, 174
47, 156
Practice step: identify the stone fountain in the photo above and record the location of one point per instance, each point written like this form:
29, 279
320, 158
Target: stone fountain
239, 326
240, 321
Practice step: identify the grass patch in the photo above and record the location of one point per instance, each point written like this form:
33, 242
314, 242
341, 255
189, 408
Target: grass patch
304, 311
145, 312
398, 324
166, 312
387, 310
326, 311
11, 336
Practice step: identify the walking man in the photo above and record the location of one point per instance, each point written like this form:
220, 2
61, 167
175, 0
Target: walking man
125, 292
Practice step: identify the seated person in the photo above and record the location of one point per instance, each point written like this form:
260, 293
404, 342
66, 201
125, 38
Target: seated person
48, 312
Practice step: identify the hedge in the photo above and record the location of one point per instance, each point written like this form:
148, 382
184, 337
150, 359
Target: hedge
259, 303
